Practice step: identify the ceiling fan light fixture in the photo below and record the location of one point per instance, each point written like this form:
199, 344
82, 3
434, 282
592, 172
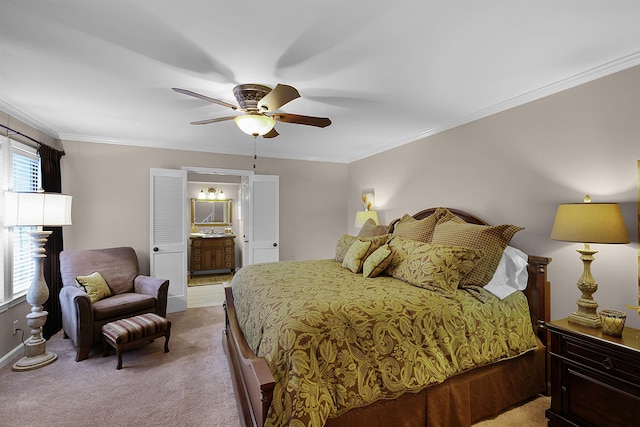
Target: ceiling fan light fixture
255, 124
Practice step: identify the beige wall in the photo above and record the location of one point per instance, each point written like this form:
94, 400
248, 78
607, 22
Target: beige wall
517, 166
514, 167
110, 189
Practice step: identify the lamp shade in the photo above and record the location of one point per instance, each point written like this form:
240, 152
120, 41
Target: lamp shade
363, 216
589, 223
255, 124
37, 209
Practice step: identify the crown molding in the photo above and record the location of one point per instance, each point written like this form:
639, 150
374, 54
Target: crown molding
578, 79
27, 119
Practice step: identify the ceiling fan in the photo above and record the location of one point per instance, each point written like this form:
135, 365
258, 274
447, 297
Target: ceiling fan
258, 102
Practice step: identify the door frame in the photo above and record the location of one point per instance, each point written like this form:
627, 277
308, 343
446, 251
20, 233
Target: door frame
242, 173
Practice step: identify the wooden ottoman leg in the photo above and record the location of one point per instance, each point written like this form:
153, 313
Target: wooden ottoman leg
119, 352
105, 347
166, 338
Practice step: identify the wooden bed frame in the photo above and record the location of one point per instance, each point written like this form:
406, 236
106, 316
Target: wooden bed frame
460, 400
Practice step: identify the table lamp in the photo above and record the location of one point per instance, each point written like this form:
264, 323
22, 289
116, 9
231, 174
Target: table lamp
363, 216
37, 210
588, 223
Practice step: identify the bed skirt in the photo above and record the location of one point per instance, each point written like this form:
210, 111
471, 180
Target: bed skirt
459, 401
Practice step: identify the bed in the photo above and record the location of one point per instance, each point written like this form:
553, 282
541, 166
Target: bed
304, 378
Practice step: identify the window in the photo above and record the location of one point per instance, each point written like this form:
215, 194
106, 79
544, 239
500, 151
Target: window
22, 173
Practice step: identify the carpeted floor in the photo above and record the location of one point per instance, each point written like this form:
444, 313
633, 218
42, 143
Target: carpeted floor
189, 386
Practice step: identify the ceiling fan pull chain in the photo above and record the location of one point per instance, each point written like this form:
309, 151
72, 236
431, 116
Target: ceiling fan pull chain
255, 155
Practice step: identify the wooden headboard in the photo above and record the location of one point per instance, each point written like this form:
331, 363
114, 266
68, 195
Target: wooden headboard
537, 291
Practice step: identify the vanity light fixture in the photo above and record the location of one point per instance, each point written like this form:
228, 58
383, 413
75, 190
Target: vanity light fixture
211, 193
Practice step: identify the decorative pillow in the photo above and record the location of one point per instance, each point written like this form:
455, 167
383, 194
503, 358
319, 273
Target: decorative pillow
411, 228
356, 255
437, 267
400, 248
370, 229
511, 274
444, 215
377, 262
490, 239
376, 242
343, 246
95, 286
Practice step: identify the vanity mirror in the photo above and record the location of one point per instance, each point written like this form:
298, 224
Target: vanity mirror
212, 213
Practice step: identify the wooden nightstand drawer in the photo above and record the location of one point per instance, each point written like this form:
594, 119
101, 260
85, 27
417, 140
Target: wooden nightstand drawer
617, 401
612, 362
595, 378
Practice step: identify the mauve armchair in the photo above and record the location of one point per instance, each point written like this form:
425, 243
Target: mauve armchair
132, 293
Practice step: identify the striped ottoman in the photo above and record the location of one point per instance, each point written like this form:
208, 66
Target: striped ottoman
132, 331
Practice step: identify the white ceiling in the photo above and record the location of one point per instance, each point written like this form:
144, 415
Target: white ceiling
385, 72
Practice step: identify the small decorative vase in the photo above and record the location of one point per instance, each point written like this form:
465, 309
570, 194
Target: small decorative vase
612, 322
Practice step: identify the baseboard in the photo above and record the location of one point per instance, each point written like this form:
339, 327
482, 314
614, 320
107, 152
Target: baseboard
8, 358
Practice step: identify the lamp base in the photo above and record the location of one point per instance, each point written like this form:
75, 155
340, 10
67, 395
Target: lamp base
29, 363
592, 321
36, 354
586, 314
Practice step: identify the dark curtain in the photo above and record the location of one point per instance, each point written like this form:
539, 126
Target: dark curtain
52, 183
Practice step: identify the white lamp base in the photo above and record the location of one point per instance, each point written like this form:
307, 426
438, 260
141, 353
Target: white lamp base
36, 355
29, 363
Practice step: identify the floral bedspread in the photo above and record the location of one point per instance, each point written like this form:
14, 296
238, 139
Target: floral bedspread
335, 340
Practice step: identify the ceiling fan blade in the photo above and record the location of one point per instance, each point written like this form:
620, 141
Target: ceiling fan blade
279, 96
271, 134
205, 98
207, 121
320, 122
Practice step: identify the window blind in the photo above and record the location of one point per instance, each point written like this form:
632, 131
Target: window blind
26, 178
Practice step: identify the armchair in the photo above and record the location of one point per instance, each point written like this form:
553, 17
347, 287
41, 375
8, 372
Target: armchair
131, 293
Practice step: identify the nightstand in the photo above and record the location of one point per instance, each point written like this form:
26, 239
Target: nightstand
595, 378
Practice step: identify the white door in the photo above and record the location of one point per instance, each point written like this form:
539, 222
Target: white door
245, 201
168, 233
261, 232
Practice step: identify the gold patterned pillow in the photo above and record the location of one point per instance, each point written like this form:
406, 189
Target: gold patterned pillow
94, 285
343, 246
370, 229
437, 267
376, 242
356, 255
490, 239
414, 229
400, 247
377, 262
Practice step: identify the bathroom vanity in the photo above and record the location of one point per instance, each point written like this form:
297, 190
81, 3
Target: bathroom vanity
212, 252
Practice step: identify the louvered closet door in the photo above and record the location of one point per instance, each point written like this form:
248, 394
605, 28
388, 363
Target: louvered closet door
168, 248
